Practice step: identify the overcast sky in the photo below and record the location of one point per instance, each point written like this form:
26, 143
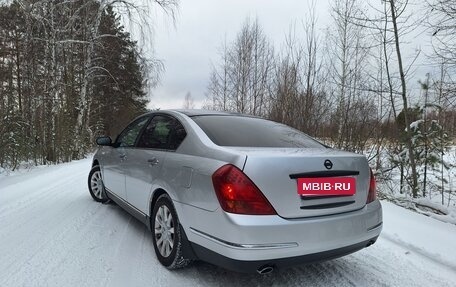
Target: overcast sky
189, 48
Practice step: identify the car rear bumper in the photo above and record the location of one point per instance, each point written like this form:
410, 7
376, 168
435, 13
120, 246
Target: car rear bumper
263, 239
258, 265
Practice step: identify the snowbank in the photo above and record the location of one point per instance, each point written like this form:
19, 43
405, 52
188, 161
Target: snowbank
421, 234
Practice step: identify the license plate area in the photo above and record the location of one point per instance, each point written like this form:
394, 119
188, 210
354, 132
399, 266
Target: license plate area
326, 186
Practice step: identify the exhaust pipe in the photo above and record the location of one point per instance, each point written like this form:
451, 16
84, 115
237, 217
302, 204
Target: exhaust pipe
266, 269
370, 243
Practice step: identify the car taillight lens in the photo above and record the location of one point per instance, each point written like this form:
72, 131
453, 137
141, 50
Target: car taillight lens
238, 194
372, 195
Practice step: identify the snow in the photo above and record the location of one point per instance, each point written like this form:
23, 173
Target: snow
448, 213
433, 205
415, 124
421, 234
53, 234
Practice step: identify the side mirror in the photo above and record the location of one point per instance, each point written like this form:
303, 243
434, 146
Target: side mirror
104, 141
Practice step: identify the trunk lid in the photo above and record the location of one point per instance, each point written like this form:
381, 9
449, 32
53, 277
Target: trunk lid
276, 171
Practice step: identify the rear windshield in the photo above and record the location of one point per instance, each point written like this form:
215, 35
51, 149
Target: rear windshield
252, 132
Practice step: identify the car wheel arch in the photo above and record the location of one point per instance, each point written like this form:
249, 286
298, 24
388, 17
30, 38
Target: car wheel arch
155, 195
95, 162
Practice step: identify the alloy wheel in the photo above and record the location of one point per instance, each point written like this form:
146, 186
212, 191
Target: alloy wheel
96, 184
164, 230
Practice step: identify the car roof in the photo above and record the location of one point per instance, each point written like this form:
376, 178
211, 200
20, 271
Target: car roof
198, 112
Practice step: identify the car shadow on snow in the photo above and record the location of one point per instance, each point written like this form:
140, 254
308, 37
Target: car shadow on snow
328, 273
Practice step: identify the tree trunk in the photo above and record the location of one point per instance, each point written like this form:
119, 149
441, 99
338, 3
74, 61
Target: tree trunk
408, 140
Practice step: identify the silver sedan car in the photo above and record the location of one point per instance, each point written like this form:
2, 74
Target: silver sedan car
237, 191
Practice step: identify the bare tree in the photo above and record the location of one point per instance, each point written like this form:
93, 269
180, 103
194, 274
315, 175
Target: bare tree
129, 9
442, 22
287, 87
348, 52
218, 94
188, 101
64, 67
396, 9
241, 82
299, 95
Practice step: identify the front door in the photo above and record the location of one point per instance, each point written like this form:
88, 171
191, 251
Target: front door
115, 157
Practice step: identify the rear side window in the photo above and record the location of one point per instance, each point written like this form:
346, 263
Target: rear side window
163, 132
252, 132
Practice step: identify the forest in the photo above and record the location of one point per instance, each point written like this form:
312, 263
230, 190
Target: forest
71, 71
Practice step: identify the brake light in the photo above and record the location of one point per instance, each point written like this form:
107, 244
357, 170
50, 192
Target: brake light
372, 195
238, 194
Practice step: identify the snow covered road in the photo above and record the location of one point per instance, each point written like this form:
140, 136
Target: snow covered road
53, 234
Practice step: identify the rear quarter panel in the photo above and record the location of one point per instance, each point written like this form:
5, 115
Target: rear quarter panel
186, 174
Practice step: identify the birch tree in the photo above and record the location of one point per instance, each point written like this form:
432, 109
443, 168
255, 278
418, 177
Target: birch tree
68, 72
188, 101
348, 52
396, 9
241, 82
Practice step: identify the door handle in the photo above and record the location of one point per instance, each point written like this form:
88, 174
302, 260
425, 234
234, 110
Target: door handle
153, 161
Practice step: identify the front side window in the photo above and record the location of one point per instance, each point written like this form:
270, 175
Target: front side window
128, 136
163, 132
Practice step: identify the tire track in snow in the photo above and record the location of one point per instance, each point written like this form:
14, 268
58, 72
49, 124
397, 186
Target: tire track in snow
36, 205
27, 220
27, 193
33, 222
432, 257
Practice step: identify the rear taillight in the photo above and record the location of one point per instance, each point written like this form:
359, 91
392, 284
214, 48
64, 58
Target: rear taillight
238, 194
372, 195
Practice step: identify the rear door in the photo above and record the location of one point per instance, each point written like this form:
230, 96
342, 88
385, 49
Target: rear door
144, 164
114, 160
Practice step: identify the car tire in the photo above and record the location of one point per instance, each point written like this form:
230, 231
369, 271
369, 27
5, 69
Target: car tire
166, 234
96, 186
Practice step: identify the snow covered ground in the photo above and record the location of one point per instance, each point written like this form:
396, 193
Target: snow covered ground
433, 205
53, 234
